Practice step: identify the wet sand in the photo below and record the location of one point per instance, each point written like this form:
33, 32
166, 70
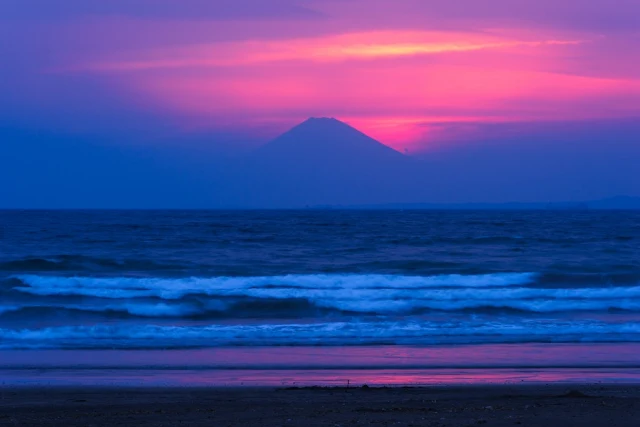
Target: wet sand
507, 405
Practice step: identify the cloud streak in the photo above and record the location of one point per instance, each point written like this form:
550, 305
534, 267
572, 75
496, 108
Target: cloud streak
344, 47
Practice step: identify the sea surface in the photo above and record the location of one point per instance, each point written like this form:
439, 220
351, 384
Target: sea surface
388, 292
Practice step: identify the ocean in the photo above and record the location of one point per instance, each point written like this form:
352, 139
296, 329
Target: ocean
316, 296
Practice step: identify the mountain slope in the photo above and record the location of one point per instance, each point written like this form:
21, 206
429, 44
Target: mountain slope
323, 161
327, 139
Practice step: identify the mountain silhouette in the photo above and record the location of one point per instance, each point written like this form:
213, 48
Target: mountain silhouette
322, 161
327, 139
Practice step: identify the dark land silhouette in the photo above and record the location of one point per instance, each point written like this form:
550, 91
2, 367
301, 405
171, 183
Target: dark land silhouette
325, 163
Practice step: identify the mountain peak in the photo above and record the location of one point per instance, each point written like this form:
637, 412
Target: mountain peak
327, 136
322, 119
321, 123
325, 161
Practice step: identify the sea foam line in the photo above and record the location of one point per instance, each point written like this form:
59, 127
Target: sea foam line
331, 334
182, 286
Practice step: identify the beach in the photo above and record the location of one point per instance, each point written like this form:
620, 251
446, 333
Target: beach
228, 318
491, 405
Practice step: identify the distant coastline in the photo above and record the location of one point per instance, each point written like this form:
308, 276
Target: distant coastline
613, 203
619, 203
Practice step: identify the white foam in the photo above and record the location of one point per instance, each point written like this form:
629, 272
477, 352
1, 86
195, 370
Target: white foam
381, 294
125, 287
339, 333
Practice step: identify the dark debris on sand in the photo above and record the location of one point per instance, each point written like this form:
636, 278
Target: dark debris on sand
548, 406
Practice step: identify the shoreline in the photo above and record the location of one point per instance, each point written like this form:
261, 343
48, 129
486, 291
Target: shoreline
325, 366
238, 378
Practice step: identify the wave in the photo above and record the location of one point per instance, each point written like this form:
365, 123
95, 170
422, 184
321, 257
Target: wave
81, 263
295, 308
8, 309
328, 334
568, 278
169, 288
312, 295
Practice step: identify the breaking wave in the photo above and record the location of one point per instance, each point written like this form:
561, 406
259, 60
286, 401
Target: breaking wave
312, 295
338, 333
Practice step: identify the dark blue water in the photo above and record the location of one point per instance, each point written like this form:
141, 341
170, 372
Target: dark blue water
173, 279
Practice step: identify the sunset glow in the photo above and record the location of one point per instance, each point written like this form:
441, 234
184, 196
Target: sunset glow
343, 47
391, 84
393, 70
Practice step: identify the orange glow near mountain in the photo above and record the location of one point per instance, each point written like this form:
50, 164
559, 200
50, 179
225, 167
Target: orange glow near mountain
391, 84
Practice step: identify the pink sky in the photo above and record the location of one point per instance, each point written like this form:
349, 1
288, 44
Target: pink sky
399, 70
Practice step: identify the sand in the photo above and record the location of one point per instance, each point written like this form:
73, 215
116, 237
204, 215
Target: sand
526, 405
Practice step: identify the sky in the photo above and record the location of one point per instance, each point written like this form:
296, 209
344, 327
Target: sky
171, 80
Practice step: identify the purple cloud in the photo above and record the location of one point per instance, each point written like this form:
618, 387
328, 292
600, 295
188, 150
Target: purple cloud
583, 15
157, 9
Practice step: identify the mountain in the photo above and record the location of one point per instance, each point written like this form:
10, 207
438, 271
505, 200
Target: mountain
322, 161
327, 141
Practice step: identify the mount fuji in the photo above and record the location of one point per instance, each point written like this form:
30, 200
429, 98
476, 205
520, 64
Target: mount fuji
323, 161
